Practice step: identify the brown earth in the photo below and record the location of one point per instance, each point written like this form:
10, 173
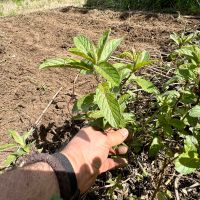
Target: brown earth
26, 40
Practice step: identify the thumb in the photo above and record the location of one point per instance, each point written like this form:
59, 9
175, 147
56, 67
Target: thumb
117, 137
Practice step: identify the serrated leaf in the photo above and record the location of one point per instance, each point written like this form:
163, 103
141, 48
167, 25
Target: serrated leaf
18, 139
110, 47
5, 147
102, 42
80, 53
147, 86
84, 103
83, 44
108, 105
195, 111
64, 62
108, 72
155, 147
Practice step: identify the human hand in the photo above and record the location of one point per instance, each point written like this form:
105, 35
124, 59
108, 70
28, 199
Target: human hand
88, 153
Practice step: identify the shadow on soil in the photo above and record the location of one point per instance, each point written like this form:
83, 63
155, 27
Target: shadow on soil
51, 138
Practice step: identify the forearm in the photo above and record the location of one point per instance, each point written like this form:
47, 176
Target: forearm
36, 181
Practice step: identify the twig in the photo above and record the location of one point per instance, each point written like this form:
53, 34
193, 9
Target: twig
74, 83
176, 185
159, 180
158, 72
43, 112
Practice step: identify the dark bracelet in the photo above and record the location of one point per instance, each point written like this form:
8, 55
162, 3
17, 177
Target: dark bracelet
63, 171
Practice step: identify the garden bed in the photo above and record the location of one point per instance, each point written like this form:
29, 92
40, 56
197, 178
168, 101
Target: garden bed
26, 40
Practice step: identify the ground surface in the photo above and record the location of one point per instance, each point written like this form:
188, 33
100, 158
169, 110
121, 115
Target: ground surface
26, 40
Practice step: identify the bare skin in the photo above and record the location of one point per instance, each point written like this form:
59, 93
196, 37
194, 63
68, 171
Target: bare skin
88, 153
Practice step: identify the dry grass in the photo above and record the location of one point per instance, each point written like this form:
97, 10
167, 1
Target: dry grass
9, 7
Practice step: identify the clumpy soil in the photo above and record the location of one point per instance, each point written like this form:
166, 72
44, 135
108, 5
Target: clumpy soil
26, 40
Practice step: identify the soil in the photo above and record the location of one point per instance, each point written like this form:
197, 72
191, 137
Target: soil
26, 40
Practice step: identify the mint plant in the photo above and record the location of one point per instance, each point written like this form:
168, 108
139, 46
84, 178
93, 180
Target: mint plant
173, 114
107, 106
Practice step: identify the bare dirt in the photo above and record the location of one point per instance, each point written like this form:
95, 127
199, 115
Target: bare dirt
26, 40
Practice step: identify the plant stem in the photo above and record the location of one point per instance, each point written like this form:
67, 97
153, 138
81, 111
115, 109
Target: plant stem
160, 179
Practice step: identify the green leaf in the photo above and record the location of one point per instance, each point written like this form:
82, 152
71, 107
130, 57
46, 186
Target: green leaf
18, 139
9, 160
184, 52
102, 42
147, 86
80, 53
188, 161
109, 49
95, 114
108, 72
155, 147
175, 37
83, 44
195, 111
143, 58
122, 69
64, 62
177, 123
5, 147
127, 54
108, 105
162, 196
84, 103
129, 118
123, 101
26, 135
190, 143
80, 117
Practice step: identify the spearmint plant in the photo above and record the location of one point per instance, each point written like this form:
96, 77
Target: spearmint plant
174, 114
107, 106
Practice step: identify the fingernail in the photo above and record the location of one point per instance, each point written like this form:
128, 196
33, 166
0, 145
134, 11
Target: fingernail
124, 132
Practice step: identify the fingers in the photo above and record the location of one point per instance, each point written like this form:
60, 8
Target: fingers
117, 137
119, 151
112, 163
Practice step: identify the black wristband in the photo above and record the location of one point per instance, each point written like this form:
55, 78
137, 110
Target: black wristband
63, 171
71, 175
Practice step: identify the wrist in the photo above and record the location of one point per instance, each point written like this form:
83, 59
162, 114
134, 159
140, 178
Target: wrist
81, 170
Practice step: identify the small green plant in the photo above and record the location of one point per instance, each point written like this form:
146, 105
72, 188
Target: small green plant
174, 112
107, 106
18, 148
